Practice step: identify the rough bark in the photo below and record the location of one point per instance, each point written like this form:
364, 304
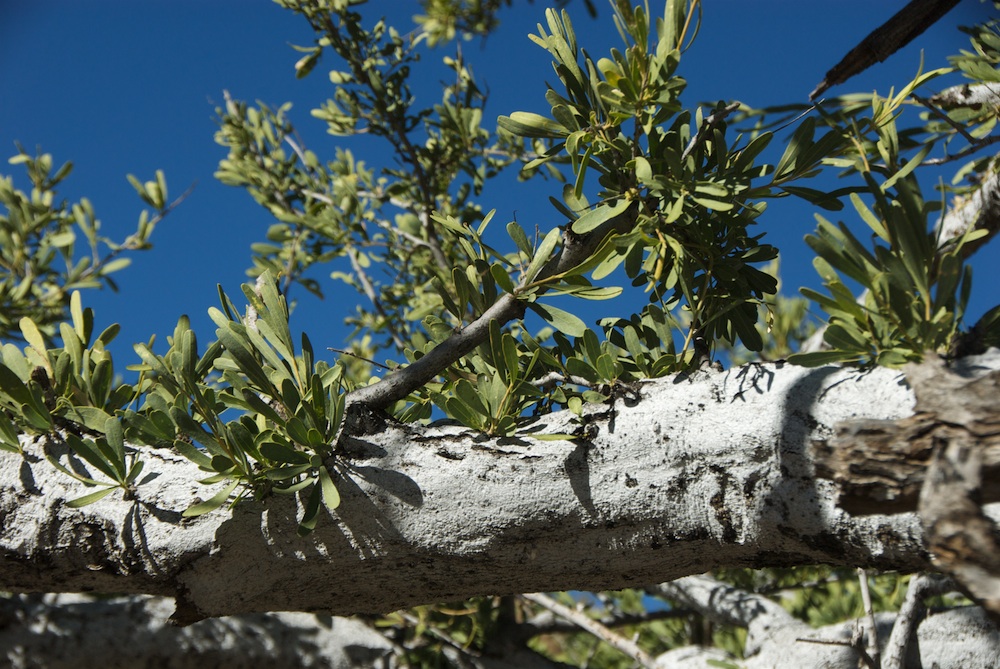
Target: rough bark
699, 473
702, 472
880, 466
943, 461
907, 24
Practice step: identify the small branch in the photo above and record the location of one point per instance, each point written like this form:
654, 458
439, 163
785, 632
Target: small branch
341, 351
708, 124
508, 307
866, 599
127, 245
904, 630
590, 625
964, 153
369, 291
958, 127
552, 378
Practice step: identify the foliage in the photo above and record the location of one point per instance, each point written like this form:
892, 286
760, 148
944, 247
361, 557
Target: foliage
38, 234
688, 190
652, 192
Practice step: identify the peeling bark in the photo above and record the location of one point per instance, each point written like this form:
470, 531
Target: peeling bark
943, 461
880, 466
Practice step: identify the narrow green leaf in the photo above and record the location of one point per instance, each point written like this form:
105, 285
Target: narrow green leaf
217, 500
91, 498
310, 515
542, 255
527, 124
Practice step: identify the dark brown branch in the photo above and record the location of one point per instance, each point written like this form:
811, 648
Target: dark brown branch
887, 39
399, 384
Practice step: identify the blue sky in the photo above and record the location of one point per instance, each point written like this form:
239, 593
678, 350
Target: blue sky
130, 86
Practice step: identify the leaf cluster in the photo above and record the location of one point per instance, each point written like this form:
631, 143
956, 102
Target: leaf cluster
690, 187
39, 269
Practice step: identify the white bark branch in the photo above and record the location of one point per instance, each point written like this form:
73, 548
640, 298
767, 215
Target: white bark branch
703, 473
961, 638
72, 631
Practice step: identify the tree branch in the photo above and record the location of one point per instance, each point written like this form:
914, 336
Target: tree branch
588, 624
399, 384
690, 475
905, 25
879, 466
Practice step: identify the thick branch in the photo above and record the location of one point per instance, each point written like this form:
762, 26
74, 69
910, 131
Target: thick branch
699, 473
959, 638
70, 631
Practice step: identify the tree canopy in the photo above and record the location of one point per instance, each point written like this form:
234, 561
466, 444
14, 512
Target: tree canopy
477, 439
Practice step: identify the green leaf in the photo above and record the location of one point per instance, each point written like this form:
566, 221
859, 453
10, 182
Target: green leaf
331, 497
33, 336
599, 215
8, 434
91, 498
217, 500
91, 453
519, 238
561, 320
527, 124
233, 338
310, 515
542, 255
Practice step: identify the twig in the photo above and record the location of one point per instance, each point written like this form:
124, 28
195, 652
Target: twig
553, 378
439, 635
707, 124
359, 357
866, 599
959, 128
590, 625
369, 291
910, 614
968, 151
127, 245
